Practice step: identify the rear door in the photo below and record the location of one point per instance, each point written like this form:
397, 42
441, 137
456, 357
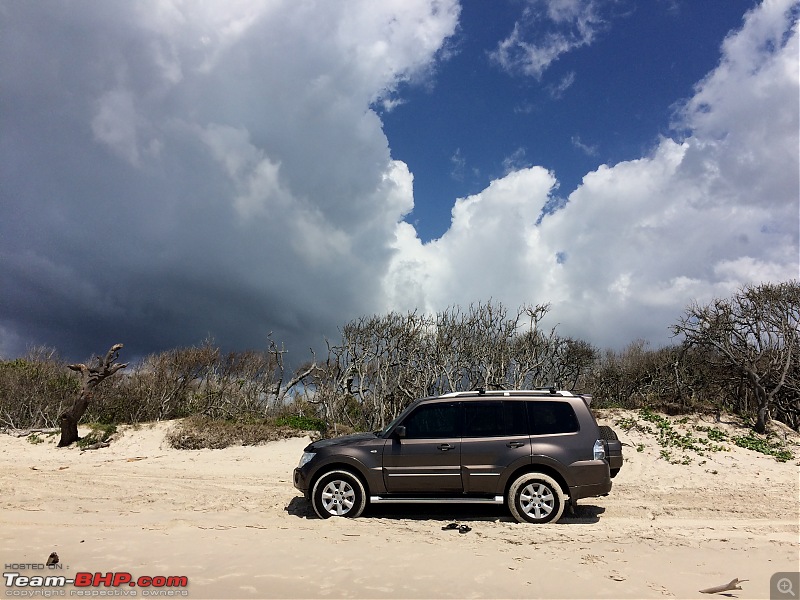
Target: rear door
428, 459
495, 438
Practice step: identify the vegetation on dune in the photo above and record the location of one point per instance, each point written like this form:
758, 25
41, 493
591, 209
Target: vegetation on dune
197, 432
100, 433
739, 355
681, 443
765, 444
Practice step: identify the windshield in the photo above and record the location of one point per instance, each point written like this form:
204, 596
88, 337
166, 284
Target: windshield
383, 432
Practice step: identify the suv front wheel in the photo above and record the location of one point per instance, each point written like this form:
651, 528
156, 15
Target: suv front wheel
338, 494
535, 498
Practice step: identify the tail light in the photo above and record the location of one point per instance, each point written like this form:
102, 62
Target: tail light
599, 450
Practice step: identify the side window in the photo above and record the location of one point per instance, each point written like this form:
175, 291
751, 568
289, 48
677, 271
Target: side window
433, 421
516, 418
548, 417
483, 419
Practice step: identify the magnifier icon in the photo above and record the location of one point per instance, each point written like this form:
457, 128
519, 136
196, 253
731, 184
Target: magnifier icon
784, 586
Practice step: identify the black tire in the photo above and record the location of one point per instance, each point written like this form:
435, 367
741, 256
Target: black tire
338, 494
606, 433
535, 498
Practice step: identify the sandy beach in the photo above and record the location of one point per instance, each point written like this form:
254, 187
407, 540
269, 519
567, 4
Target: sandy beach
232, 524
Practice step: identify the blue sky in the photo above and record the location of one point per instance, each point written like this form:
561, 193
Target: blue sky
601, 103
174, 171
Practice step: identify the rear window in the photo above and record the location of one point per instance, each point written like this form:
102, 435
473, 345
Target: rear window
516, 418
495, 419
547, 417
483, 419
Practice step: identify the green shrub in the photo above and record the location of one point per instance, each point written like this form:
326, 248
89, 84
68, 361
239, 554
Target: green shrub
302, 423
713, 434
101, 432
764, 445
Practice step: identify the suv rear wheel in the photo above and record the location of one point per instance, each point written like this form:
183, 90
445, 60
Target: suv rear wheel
535, 498
338, 494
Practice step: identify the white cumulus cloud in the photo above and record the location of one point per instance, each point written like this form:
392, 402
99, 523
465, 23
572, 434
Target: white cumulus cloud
546, 30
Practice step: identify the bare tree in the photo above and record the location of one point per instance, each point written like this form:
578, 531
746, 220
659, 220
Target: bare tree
489, 332
280, 387
384, 362
756, 333
535, 352
35, 389
90, 377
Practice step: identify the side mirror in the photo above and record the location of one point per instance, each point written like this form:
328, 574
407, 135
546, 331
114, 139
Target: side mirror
400, 431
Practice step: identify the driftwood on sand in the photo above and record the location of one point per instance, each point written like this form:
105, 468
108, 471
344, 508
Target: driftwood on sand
733, 584
26, 432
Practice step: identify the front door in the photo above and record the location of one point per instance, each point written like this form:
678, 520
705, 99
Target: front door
428, 459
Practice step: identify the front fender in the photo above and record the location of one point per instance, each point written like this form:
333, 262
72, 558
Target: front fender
370, 474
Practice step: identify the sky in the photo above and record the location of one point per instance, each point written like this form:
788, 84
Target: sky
173, 171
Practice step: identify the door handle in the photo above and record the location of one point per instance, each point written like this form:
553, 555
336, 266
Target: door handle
515, 444
445, 447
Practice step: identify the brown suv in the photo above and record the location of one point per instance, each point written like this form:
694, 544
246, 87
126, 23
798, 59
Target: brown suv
533, 450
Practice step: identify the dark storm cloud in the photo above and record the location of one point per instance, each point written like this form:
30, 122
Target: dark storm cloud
172, 172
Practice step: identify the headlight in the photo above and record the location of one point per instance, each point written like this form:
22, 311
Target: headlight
307, 456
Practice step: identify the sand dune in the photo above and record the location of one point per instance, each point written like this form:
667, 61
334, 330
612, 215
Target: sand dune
233, 525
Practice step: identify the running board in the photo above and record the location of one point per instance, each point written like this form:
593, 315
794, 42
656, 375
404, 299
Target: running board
393, 500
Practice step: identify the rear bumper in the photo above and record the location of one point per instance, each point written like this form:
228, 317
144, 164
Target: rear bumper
590, 491
591, 478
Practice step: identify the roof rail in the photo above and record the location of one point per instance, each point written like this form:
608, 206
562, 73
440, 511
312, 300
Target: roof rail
484, 392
